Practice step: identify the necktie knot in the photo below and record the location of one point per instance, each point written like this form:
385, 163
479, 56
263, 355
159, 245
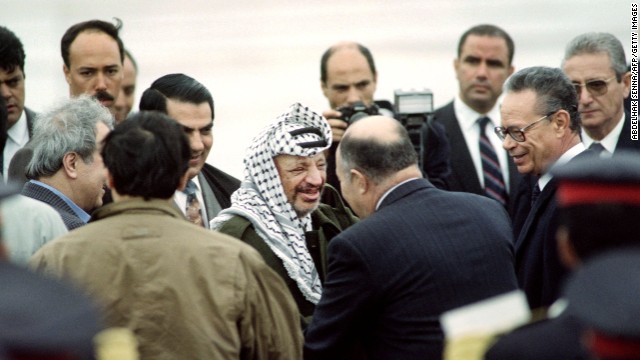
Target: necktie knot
482, 122
191, 188
597, 148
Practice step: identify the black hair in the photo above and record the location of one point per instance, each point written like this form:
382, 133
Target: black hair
177, 87
11, 51
92, 25
147, 155
327, 54
488, 30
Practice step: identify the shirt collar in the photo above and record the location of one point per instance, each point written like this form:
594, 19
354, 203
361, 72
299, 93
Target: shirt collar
467, 117
564, 158
76, 209
384, 196
610, 141
19, 132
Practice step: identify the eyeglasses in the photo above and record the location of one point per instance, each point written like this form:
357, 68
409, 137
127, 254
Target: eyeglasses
515, 133
595, 87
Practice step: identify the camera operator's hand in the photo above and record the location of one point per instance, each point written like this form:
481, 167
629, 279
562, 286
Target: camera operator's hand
338, 126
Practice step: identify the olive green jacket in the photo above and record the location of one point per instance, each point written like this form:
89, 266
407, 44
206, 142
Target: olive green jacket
327, 222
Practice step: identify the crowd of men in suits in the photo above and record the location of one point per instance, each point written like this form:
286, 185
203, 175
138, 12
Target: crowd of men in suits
107, 198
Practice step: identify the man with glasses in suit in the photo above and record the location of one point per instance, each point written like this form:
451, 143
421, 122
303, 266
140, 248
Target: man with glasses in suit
540, 129
596, 65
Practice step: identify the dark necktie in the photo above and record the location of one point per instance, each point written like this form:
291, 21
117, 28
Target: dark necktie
597, 148
493, 180
192, 212
535, 194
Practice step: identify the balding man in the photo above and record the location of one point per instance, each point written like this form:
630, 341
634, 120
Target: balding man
348, 76
409, 259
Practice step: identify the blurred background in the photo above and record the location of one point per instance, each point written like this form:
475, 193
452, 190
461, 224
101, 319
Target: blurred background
258, 57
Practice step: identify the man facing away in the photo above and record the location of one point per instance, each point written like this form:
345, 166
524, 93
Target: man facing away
66, 168
596, 65
478, 164
417, 252
277, 209
186, 292
190, 103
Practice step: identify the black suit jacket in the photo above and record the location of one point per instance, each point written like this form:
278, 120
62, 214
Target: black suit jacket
70, 219
538, 266
551, 339
391, 276
222, 185
624, 141
463, 173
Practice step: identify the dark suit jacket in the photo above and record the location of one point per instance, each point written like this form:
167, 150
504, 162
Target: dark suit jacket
538, 266
624, 141
463, 173
222, 185
30, 120
70, 219
550, 339
391, 276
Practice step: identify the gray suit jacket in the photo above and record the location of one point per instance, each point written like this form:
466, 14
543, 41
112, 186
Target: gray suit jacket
35, 191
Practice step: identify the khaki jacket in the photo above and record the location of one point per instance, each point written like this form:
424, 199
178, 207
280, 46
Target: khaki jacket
186, 292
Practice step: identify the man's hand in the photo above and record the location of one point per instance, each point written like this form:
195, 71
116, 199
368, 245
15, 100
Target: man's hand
338, 126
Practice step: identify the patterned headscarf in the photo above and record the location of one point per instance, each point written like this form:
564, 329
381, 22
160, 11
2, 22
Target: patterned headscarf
261, 198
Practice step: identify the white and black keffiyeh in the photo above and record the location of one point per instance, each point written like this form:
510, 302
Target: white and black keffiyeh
261, 198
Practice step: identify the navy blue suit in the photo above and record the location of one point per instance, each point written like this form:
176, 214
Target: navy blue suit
463, 175
391, 276
70, 219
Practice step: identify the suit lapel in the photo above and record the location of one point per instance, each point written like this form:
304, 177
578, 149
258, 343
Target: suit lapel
537, 210
461, 163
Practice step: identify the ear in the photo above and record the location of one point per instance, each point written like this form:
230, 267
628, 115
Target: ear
626, 82
183, 181
566, 251
561, 121
110, 183
360, 181
67, 73
70, 164
511, 69
456, 65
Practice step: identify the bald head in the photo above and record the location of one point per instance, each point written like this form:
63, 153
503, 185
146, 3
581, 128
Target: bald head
374, 155
379, 147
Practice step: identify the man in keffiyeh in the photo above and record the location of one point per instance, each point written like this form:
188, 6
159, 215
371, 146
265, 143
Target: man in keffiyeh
277, 209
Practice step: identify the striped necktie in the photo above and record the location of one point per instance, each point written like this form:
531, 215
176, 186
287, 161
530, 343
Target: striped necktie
193, 213
493, 180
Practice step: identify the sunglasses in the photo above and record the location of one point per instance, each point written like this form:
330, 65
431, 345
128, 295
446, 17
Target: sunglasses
595, 87
518, 134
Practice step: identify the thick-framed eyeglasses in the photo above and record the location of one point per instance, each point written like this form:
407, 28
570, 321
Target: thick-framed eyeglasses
594, 87
518, 134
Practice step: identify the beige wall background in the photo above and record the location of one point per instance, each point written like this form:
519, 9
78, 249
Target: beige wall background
258, 57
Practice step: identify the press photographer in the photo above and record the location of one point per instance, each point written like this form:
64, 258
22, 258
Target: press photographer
348, 79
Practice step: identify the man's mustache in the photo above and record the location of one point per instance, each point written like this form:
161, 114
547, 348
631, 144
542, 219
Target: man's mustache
103, 96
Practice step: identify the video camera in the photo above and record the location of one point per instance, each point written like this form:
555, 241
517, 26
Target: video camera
413, 108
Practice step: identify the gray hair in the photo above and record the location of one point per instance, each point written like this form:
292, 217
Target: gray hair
553, 88
594, 42
67, 127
